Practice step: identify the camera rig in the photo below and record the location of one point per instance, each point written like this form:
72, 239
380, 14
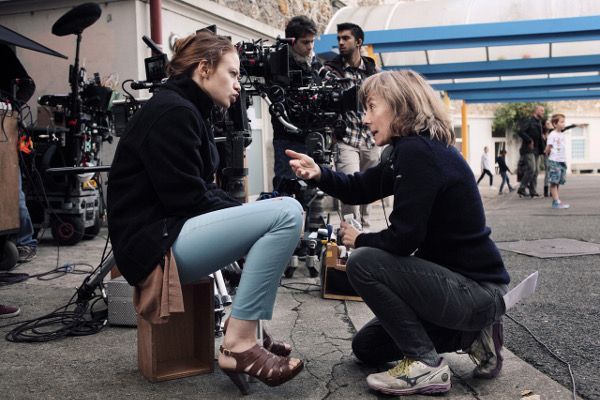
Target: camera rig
304, 104
71, 203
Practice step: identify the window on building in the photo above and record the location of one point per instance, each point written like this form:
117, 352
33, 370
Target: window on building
578, 144
498, 133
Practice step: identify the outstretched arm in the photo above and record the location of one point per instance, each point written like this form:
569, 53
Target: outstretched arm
303, 166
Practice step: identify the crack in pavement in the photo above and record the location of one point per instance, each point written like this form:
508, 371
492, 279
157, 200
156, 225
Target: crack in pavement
293, 329
333, 380
464, 383
341, 311
344, 317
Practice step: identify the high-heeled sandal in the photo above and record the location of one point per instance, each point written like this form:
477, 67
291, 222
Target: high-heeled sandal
277, 347
267, 367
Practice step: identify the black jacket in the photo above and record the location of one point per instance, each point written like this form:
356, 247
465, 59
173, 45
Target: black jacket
531, 131
337, 65
502, 164
162, 175
437, 208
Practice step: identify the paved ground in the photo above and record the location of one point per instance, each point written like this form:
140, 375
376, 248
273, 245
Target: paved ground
563, 314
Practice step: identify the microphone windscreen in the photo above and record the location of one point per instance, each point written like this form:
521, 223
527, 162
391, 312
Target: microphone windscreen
77, 19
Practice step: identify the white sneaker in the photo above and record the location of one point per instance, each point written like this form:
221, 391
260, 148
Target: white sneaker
412, 377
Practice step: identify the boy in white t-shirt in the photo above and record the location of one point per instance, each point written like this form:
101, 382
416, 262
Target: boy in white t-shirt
557, 159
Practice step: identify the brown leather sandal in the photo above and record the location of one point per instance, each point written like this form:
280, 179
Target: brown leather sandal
277, 347
267, 367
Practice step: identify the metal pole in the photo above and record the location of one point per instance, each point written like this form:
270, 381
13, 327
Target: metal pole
464, 132
156, 21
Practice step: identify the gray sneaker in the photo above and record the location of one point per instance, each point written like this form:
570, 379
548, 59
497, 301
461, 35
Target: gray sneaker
412, 377
486, 353
26, 253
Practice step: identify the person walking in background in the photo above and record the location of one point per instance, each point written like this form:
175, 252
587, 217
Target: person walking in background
503, 169
486, 166
557, 159
530, 151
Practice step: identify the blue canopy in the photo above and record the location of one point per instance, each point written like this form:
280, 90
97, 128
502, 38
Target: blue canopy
486, 35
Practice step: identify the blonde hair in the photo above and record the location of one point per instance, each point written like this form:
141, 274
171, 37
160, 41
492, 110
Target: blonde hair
415, 105
556, 117
189, 51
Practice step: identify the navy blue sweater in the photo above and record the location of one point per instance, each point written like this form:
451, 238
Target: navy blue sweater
437, 207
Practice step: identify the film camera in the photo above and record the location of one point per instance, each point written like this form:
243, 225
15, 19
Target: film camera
71, 204
306, 105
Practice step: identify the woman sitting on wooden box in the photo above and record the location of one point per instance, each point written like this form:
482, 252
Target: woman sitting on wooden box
164, 207
448, 294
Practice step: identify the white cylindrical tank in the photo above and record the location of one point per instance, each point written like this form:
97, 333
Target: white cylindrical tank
418, 14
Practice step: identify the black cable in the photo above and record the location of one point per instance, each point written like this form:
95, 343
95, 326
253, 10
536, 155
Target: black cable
9, 278
287, 286
63, 270
77, 318
131, 97
556, 356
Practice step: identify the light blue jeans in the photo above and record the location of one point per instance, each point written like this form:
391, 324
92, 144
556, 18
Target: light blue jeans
266, 232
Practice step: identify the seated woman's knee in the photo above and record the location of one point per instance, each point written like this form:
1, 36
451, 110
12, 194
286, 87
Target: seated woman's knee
292, 210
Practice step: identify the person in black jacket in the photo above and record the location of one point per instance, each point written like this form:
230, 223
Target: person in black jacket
304, 68
356, 147
162, 197
531, 149
448, 295
303, 71
503, 169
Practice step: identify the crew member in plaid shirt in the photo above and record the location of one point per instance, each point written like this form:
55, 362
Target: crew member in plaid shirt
357, 150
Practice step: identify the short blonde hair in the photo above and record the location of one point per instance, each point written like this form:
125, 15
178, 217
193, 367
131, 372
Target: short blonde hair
556, 117
416, 106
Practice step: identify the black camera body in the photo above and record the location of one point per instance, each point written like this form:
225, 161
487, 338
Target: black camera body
268, 62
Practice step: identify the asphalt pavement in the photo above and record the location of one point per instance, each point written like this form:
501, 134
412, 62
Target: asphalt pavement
562, 314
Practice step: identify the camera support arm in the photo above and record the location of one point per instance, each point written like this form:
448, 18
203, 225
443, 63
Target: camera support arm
289, 126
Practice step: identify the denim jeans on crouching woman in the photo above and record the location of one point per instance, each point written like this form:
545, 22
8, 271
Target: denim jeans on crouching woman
266, 232
421, 308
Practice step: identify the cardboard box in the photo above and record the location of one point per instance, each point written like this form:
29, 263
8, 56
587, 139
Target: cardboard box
334, 280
